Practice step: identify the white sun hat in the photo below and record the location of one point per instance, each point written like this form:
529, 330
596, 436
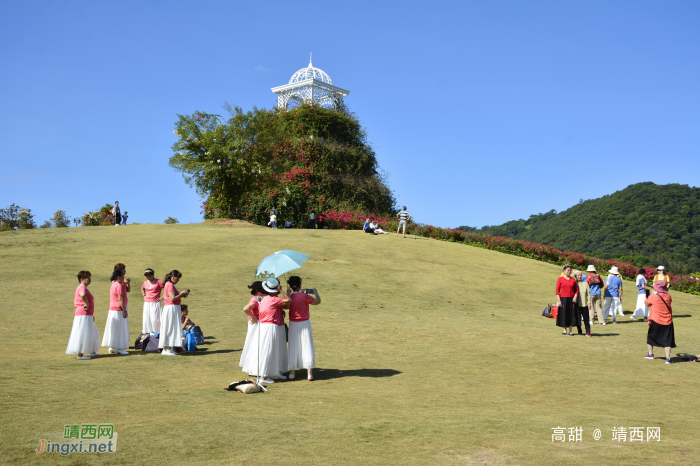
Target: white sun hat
270, 285
661, 267
590, 268
613, 270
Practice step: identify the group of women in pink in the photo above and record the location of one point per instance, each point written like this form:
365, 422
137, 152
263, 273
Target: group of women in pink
84, 340
265, 353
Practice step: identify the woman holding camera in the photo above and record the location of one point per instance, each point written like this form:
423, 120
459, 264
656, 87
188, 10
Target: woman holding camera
170, 326
301, 340
267, 355
116, 334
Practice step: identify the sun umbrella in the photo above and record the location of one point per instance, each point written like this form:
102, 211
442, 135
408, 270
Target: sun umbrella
280, 263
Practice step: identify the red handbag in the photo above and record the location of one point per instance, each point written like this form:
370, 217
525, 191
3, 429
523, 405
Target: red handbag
555, 311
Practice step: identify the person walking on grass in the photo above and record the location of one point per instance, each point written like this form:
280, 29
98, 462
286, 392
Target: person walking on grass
584, 307
567, 296
641, 310
660, 322
252, 310
302, 354
84, 337
613, 295
116, 335
124, 217
595, 283
170, 326
312, 220
152, 310
404, 217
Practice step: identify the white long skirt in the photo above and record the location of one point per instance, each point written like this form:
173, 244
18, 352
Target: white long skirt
84, 338
170, 327
151, 317
273, 351
116, 330
301, 346
642, 310
252, 329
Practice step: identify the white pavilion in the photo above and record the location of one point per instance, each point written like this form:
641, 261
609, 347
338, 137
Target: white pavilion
310, 86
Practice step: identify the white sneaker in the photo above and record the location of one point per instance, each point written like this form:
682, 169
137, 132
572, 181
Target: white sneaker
168, 353
602, 323
121, 351
85, 356
591, 322
92, 355
279, 377
112, 351
267, 381
633, 318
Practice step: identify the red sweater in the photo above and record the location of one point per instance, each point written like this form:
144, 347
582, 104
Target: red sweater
567, 288
658, 311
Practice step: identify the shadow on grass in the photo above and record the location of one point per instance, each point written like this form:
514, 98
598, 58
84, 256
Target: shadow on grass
605, 334
205, 351
327, 374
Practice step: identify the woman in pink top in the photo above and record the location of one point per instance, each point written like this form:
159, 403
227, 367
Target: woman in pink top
267, 355
301, 340
84, 338
170, 326
252, 311
151, 302
117, 327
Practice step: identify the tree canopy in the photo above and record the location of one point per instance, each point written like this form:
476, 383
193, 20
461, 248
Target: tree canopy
305, 159
645, 223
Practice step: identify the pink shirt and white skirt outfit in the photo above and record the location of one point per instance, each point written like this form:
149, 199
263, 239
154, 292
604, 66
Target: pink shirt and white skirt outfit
170, 324
117, 327
301, 341
84, 337
151, 306
252, 329
267, 353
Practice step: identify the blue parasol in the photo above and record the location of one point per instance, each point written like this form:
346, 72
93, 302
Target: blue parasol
280, 263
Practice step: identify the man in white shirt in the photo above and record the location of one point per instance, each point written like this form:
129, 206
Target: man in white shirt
404, 217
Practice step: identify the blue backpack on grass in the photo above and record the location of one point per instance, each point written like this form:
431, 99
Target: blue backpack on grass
190, 342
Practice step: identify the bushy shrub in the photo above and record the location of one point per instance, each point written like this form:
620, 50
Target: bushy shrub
545, 253
171, 221
102, 217
60, 219
15, 217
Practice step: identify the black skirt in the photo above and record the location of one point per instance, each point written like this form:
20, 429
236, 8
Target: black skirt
568, 315
661, 335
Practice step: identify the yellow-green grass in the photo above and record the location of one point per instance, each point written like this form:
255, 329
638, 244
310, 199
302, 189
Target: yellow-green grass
427, 352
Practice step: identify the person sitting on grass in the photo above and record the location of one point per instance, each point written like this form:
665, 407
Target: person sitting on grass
366, 228
287, 224
377, 229
186, 321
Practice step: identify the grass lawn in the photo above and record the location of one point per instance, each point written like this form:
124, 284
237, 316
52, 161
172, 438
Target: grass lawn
427, 352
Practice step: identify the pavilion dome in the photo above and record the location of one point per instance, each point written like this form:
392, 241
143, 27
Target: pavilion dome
309, 73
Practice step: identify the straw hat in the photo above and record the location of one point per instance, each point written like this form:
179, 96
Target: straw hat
590, 268
613, 270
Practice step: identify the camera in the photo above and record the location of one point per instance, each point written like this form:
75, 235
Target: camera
188, 290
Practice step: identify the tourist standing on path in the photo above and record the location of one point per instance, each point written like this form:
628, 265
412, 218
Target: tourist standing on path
267, 356
584, 303
660, 321
613, 295
116, 335
117, 214
567, 295
641, 310
312, 220
150, 289
404, 218
302, 354
170, 327
595, 283
661, 274
84, 337
252, 310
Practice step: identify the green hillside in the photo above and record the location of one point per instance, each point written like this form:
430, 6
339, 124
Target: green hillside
645, 223
428, 353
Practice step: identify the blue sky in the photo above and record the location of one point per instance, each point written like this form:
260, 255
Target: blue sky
480, 111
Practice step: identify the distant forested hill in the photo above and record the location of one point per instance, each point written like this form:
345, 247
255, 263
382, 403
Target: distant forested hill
645, 224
